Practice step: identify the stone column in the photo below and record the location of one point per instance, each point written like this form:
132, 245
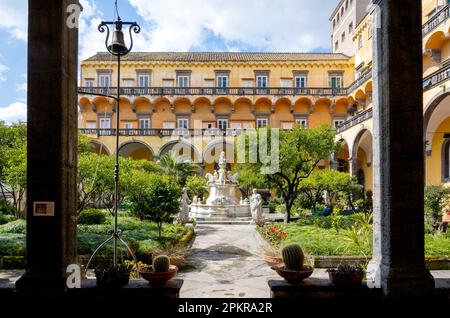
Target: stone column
52, 144
352, 166
398, 256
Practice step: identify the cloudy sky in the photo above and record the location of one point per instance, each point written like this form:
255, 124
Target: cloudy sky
171, 25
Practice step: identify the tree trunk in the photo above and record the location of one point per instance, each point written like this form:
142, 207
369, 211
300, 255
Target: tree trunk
287, 218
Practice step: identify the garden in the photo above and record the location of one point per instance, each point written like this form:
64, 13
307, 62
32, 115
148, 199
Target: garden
326, 211
148, 202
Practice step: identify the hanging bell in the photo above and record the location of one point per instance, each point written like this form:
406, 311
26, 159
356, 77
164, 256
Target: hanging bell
118, 46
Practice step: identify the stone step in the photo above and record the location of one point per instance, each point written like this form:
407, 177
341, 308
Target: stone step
225, 222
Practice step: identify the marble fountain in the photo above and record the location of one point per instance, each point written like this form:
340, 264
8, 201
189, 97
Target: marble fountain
222, 202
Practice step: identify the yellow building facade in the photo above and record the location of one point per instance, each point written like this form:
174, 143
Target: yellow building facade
202, 101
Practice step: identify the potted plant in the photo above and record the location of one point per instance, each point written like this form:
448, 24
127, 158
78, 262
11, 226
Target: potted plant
272, 255
176, 253
346, 275
160, 272
113, 276
293, 270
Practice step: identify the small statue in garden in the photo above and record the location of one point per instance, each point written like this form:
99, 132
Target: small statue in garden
256, 206
183, 216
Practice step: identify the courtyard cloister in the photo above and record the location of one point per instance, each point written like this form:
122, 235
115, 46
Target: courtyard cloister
387, 154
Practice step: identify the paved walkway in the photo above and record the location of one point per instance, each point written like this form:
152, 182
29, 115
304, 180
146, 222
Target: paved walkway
225, 262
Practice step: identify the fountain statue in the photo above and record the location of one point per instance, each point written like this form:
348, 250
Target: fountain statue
222, 201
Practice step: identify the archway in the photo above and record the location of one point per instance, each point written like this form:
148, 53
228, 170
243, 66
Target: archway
361, 159
136, 150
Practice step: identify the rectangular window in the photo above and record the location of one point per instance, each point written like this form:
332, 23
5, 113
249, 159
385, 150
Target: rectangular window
350, 28
286, 83
262, 122
343, 37
300, 82
287, 126
338, 122
222, 124
183, 123
183, 81
360, 42
91, 125
104, 80
167, 83
209, 83
144, 123
127, 83
144, 80
89, 83
105, 123
222, 81
128, 125
236, 125
168, 125
336, 81
262, 81
302, 122
248, 83
336, 46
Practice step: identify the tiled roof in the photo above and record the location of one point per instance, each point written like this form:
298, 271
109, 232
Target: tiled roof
220, 57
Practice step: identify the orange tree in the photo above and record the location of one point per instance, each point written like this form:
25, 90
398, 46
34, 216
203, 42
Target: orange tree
299, 152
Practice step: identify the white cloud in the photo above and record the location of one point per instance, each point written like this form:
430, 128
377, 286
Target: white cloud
289, 25
14, 18
14, 113
3, 69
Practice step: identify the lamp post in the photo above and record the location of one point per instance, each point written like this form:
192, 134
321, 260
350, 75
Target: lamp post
119, 49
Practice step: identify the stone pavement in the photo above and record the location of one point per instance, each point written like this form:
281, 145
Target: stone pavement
225, 262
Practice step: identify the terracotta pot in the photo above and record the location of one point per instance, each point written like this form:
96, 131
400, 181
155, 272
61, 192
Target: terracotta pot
345, 279
158, 278
291, 276
177, 260
272, 260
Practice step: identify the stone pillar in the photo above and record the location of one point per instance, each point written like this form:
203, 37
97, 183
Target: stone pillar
352, 166
52, 144
398, 256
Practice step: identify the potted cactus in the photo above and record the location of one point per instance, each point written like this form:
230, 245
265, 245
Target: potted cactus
346, 275
160, 272
293, 270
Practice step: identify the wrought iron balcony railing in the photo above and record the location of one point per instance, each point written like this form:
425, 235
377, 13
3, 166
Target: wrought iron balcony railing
437, 78
367, 75
212, 91
99, 132
437, 19
356, 120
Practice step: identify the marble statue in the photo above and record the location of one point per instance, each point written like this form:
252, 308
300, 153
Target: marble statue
183, 216
256, 206
222, 201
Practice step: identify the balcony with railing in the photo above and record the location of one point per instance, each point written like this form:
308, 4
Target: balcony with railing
366, 76
100, 132
356, 120
436, 20
211, 91
438, 77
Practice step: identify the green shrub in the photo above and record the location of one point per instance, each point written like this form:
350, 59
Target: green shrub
6, 218
16, 227
6, 208
434, 202
12, 244
92, 216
